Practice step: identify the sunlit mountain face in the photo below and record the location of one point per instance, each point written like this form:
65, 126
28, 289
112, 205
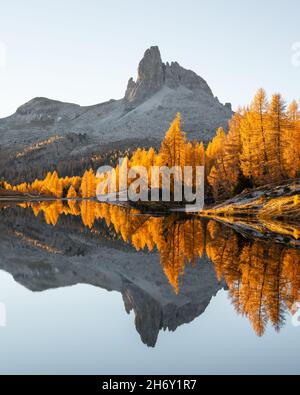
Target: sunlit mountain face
166, 267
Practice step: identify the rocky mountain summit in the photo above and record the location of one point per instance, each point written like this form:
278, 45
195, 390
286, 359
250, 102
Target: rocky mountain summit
153, 75
149, 105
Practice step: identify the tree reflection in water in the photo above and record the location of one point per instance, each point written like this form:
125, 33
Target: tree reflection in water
263, 276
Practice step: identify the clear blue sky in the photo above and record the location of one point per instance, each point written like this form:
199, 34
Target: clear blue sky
85, 51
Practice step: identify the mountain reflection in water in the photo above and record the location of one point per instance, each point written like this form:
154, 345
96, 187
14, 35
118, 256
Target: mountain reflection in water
166, 268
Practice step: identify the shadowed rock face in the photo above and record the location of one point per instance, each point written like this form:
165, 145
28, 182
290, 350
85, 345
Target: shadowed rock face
150, 104
169, 311
153, 75
41, 257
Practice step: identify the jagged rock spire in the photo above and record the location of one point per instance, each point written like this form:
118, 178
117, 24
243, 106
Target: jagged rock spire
153, 74
150, 77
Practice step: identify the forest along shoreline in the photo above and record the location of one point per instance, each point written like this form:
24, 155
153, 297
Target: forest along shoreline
261, 147
13, 196
279, 200
270, 213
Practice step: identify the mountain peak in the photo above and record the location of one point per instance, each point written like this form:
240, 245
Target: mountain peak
150, 77
153, 74
152, 53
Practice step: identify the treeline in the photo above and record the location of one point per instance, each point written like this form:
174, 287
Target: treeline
65, 167
175, 151
261, 146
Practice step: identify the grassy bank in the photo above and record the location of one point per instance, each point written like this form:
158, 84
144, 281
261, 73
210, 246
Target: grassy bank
276, 201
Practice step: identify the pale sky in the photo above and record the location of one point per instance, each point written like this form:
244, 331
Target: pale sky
85, 51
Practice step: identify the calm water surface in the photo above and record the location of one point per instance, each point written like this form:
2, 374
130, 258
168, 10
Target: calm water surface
93, 288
